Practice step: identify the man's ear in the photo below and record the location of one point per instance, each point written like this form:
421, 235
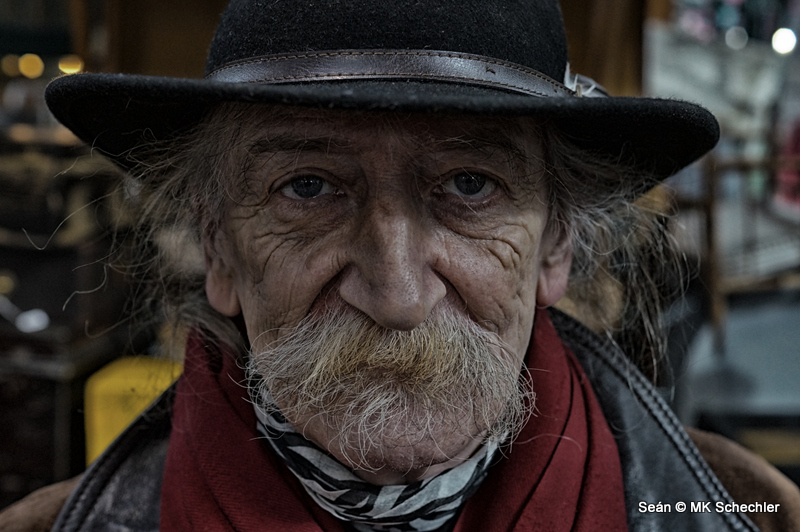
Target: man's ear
554, 267
220, 285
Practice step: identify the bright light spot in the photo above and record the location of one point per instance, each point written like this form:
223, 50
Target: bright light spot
70, 64
21, 133
784, 41
736, 37
31, 66
10, 65
64, 137
32, 321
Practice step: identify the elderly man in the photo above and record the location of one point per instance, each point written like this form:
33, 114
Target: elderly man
387, 198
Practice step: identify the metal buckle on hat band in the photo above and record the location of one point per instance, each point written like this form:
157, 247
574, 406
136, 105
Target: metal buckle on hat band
391, 64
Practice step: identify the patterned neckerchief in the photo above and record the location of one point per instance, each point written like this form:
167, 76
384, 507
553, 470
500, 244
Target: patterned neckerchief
425, 505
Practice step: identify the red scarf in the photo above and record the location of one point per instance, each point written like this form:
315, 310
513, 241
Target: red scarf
562, 474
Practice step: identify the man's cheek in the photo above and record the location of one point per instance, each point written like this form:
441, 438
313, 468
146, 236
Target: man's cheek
272, 274
288, 277
502, 259
490, 294
496, 279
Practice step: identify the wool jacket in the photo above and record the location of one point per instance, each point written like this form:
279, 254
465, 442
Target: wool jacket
660, 461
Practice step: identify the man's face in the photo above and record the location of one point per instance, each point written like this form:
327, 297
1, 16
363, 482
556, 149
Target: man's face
398, 220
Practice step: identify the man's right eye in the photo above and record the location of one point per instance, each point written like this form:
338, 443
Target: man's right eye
307, 187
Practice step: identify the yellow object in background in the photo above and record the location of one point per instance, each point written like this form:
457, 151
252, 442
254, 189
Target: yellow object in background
119, 392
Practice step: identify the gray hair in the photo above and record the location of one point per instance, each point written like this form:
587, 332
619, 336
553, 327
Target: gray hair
625, 263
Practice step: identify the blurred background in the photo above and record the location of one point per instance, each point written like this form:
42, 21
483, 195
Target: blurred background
73, 374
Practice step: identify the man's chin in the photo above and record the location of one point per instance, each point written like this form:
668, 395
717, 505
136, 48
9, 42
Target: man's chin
404, 460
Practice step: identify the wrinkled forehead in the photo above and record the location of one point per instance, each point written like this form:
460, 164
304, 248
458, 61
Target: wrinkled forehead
267, 129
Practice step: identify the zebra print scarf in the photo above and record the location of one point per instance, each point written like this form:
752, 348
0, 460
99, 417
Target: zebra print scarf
425, 505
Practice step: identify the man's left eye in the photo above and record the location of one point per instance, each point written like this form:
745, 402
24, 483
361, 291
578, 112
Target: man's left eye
469, 185
307, 187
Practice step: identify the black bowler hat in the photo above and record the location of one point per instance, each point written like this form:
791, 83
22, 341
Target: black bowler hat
482, 57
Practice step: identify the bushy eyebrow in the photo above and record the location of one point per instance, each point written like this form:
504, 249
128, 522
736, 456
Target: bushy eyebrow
501, 144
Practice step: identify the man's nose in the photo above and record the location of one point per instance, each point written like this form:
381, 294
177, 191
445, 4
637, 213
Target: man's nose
391, 275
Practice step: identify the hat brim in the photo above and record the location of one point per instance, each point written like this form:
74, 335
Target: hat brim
115, 112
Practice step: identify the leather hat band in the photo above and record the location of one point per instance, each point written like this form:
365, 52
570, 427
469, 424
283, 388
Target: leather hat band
431, 65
